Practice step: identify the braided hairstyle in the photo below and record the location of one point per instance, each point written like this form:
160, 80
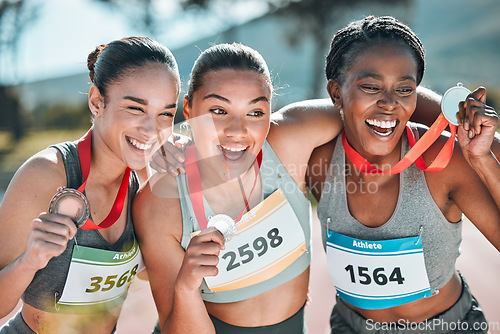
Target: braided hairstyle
225, 56
108, 63
349, 42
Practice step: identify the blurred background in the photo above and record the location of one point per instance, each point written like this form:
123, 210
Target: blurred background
44, 46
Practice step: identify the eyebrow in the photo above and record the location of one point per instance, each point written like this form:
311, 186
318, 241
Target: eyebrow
216, 96
145, 102
379, 77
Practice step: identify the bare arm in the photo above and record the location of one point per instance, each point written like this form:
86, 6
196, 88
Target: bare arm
476, 138
175, 276
30, 237
472, 178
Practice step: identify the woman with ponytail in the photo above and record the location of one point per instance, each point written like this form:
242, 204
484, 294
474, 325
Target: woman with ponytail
68, 245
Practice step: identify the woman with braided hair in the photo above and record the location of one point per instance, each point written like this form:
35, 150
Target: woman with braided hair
70, 257
391, 229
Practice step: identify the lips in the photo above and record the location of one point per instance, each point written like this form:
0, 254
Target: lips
381, 127
232, 152
139, 145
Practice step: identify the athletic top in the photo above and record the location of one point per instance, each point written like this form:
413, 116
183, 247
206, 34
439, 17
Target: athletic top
416, 214
48, 283
273, 176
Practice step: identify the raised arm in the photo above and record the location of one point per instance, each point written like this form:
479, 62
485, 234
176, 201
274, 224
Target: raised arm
30, 237
476, 138
474, 172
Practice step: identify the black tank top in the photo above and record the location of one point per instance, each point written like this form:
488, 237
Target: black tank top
48, 284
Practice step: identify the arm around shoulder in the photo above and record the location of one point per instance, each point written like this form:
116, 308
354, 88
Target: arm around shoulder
309, 123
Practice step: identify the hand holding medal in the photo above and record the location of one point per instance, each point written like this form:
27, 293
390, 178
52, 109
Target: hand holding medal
479, 122
224, 224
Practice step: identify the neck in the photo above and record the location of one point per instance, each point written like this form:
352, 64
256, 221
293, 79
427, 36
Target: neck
382, 162
105, 166
221, 181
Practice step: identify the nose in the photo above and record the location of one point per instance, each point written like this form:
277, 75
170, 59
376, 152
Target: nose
148, 126
387, 101
235, 127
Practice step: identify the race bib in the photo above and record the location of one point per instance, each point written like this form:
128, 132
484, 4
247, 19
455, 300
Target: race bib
99, 278
377, 274
268, 239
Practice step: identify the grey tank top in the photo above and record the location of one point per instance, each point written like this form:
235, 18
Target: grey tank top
416, 214
47, 285
273, 176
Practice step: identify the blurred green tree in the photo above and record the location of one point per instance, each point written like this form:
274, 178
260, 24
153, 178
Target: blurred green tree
142, 13
312, 19
15, 15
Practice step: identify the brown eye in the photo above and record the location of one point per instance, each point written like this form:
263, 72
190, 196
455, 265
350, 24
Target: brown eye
369, 89
135, 110
405, 91
218, 111
167, 113
256, 113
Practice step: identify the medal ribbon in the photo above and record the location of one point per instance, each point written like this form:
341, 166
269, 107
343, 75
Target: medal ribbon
196, 191
84, 151
415, 152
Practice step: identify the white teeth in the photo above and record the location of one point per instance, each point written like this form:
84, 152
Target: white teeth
231, 149
381, 124
383, 134
139, 145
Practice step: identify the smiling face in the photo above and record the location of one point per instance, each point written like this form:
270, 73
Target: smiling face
229, 115
378, 96
138, 113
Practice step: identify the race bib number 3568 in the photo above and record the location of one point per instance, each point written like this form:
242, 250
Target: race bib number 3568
99, 277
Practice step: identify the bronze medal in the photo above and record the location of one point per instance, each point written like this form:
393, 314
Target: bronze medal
72, 203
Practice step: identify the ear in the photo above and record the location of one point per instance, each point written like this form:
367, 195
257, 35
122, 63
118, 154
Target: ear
333, 89
96, 101
186, 111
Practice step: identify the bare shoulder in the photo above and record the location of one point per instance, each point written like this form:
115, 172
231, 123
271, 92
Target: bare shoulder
43, 172
318, 166
156, 208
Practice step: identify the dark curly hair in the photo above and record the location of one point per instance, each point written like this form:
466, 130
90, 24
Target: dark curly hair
352, 40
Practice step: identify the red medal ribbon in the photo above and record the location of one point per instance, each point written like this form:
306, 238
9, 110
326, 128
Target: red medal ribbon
84, 151
196, 191
415, 152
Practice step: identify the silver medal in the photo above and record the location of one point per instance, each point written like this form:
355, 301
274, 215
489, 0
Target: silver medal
224, 224
451, 98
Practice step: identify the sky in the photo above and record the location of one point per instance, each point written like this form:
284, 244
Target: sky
66, 31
